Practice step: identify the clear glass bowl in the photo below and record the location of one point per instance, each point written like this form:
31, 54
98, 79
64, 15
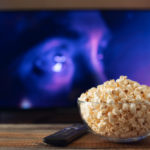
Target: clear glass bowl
84, 114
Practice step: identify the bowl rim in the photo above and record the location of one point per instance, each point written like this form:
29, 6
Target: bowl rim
121, 140
80, 101
138, 102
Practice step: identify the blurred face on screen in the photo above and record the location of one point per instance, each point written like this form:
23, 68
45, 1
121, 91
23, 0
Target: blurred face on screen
48, 58
61, 63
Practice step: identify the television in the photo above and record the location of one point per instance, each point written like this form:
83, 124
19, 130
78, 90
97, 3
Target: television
49, 55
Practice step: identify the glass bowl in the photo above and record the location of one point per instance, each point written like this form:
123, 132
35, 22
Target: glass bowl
88, 111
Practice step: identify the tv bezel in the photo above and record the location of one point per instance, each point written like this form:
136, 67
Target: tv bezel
73, 4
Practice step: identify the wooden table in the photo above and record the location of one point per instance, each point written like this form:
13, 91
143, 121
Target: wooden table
22, 137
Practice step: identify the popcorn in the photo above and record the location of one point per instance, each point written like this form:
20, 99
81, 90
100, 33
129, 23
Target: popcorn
139, 113
115, 111
110, 101
143, 107
135, 85
118, 108
110, 117
133, 108
99, 115
125, 107
148, 96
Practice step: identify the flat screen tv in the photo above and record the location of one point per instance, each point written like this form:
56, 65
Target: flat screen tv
49, 56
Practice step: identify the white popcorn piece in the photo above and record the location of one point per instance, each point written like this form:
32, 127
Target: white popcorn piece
125, 82
98, 93
135, 84
138, 97
136, 93
110, 117
96, 98
129, 87
110, 101
109, 91
125, 106
119, 80
101, 125
132, 108
139, 113
122, 95
140, 88
148, 96
120, 111
99, 115
115, 111
123, 77
143, 107
93, 105
117, 89
83, 97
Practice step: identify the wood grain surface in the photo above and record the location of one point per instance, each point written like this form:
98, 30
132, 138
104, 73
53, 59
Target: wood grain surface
29, 137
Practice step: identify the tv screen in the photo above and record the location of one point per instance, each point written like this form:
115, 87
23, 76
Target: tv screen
48, 58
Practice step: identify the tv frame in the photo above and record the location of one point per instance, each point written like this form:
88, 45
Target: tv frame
57, 115
73, 4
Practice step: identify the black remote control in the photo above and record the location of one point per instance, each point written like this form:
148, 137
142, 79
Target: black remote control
66, 135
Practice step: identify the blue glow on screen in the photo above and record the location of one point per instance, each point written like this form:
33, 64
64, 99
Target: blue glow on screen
48, 58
